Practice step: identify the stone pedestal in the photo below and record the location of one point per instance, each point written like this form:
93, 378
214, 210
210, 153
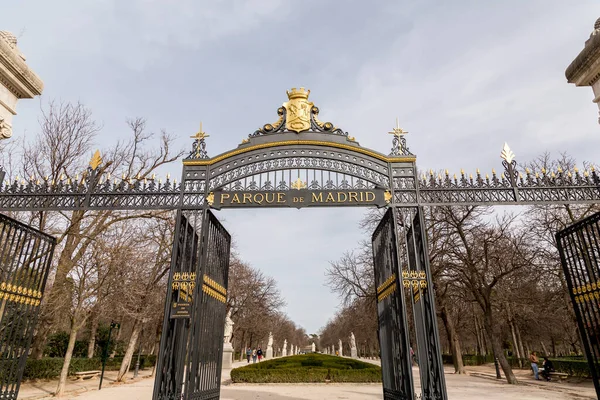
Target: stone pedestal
353, 352
227, 356
269, 354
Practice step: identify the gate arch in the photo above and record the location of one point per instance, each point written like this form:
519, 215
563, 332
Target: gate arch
298, 147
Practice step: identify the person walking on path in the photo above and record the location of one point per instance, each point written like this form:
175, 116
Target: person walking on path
248, 354
533, 358
548, 367
254, 356
259, 353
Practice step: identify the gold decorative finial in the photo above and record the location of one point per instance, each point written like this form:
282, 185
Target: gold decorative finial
507, 154
200, 135
397, 131
96, 160
299, 184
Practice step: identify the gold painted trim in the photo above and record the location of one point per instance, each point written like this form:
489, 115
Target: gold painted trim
20, 294
232, 153
386, 293
213, 293
214, 285
385, 284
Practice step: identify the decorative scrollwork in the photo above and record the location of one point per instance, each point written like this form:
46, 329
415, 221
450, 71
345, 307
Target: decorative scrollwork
276, 127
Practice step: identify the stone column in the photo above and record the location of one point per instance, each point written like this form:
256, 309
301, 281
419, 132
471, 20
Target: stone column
585, 68
17, 81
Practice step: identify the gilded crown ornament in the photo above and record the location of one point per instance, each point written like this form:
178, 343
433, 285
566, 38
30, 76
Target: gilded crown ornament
298, 110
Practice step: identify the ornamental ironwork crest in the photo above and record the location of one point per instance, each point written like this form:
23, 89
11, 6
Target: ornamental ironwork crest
298, 110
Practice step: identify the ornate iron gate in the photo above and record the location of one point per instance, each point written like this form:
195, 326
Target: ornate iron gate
203, 381
418, 277
579, 248
25, 257
194, 310
391, 310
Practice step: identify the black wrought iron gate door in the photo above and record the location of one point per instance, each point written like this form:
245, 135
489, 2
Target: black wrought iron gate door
579, 248
205, 349
391, 310
25, 258
192, 342
418, 279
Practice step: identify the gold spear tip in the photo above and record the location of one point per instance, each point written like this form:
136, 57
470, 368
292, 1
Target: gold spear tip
96, 160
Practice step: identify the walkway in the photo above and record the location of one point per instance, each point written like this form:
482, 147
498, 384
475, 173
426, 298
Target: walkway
459, 387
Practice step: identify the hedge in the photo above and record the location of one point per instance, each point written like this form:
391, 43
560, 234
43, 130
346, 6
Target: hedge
49, 368
303, 375
574, 366
310, 368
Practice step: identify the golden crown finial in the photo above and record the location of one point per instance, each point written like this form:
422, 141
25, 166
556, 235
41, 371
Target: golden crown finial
200, 134
397, 131
298, 93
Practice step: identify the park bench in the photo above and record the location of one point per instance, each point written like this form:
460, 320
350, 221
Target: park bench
86, 374
560, 375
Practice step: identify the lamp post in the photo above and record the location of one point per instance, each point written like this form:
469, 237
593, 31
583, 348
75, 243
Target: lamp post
105, 355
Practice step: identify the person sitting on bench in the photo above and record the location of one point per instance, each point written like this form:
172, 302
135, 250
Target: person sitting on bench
548, 367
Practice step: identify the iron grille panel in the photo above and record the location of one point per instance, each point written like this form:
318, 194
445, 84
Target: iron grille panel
579, 248
25, 259
394, 345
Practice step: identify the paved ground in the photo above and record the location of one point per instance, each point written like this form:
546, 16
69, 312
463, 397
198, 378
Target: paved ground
474, 387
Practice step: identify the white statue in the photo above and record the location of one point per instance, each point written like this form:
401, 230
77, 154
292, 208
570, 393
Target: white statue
270, 346
228, 328
352, 340
313, 348
284, 350
340, 348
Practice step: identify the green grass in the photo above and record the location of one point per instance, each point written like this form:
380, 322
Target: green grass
307, 368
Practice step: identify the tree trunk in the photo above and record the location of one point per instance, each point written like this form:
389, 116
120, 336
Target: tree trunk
521, 349
544, 348
457, 360
114, 352
126, 363
497, 347
64, 373
515, 344
93, 331
39, 340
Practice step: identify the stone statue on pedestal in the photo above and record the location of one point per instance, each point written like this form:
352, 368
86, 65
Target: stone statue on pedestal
228, 328
313, 348
270, 346
227, 347
340, 350
353, 349
284, 350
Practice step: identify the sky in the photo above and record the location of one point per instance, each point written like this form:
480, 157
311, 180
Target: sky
463, 77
